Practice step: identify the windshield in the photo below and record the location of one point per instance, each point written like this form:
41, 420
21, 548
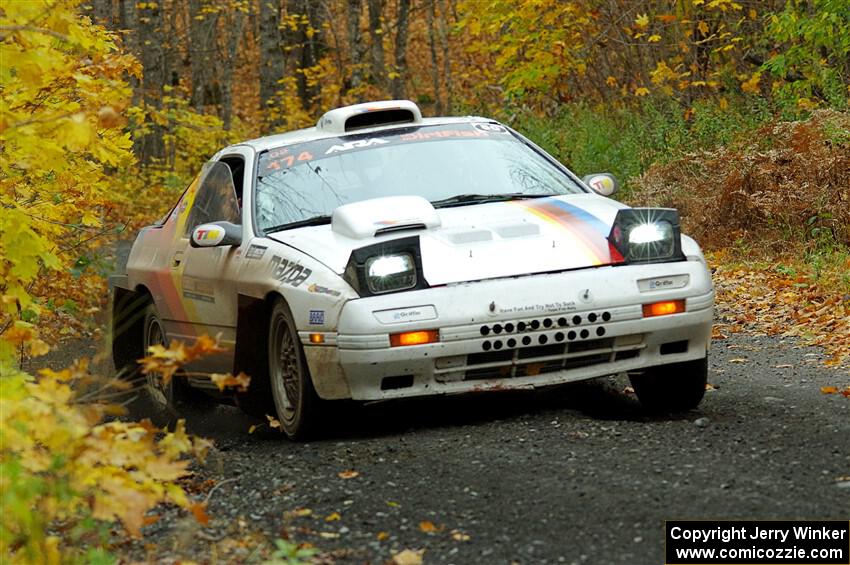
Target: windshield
307, 181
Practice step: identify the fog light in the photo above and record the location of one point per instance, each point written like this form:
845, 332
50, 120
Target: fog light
414, 338
663, 308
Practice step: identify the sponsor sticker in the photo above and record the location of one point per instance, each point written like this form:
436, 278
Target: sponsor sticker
255, 252
401, 315
663, 283
317, 317
319, 289
491, 128
288, 272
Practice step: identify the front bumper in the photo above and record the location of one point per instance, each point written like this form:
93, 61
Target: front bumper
516, 333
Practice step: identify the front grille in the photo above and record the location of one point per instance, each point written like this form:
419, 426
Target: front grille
537, 360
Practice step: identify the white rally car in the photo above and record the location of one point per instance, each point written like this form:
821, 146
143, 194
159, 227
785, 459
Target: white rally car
382, 255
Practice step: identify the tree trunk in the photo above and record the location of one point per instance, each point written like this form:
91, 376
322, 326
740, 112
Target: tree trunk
149, 17
101, 12
447, 65
127, 21
202, 45
235, 25
397, 84
355, 42
308, 44
431, 13
377, 47
271, 54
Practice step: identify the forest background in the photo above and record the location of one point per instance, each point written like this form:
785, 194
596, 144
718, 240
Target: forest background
735, 112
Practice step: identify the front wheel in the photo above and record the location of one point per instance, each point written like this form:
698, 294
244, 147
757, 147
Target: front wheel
673, 388
295, 399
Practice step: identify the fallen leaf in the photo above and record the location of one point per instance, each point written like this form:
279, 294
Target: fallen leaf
351, 474
408, 557
457, 535
273, 422
709, 386
328, 535
297, 513
333, 517
383, 536
738, 360
428, 527
252, 429
199, 511
828, 389
782, 366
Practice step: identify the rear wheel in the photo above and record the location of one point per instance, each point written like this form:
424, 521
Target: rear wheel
295, 399
176, 391
673, 388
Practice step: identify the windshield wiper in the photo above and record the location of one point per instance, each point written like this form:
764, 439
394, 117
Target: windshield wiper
464, 199
314, 221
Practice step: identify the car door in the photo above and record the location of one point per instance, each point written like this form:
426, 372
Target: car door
208, 275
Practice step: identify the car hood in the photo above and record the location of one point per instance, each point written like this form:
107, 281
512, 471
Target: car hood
471, 242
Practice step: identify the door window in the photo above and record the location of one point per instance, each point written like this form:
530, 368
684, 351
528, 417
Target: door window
215, 199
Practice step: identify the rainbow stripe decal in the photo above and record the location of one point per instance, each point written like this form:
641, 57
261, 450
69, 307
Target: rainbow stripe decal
589, 232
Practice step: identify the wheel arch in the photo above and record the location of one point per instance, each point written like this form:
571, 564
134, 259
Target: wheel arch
128, 320
252, 322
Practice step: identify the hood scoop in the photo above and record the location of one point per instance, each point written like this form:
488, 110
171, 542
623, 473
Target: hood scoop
368, 218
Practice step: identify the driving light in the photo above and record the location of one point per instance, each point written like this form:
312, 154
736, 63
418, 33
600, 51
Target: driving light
414, 338
650, 233
387, 273
394, 265
663, 308
389, 265
647, 235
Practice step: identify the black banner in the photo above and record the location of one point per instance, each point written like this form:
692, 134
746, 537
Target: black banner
757, 542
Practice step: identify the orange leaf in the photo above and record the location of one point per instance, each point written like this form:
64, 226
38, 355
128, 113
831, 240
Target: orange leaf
348, 474
428, 527
199, 511
273, 422
828, 389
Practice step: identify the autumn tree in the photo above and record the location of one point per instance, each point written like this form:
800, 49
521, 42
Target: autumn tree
63, 92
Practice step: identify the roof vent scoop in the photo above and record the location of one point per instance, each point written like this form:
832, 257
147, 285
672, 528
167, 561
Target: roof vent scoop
369, 115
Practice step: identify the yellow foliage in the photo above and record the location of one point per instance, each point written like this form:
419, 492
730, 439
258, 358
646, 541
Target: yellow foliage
60, 462
751, 85
63, 80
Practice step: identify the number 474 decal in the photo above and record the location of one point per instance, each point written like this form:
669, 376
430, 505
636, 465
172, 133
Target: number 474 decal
289, 160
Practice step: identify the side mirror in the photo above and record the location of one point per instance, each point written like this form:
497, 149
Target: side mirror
216, 234
601, 183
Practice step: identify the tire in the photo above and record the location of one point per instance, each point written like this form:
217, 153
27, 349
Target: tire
177, 392
673, 388
295, 399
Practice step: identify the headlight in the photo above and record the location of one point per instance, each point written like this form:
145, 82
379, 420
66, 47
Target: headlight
388, 266
647, 235
387, 273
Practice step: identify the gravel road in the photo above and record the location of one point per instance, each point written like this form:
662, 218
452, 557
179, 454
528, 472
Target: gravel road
575, 475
